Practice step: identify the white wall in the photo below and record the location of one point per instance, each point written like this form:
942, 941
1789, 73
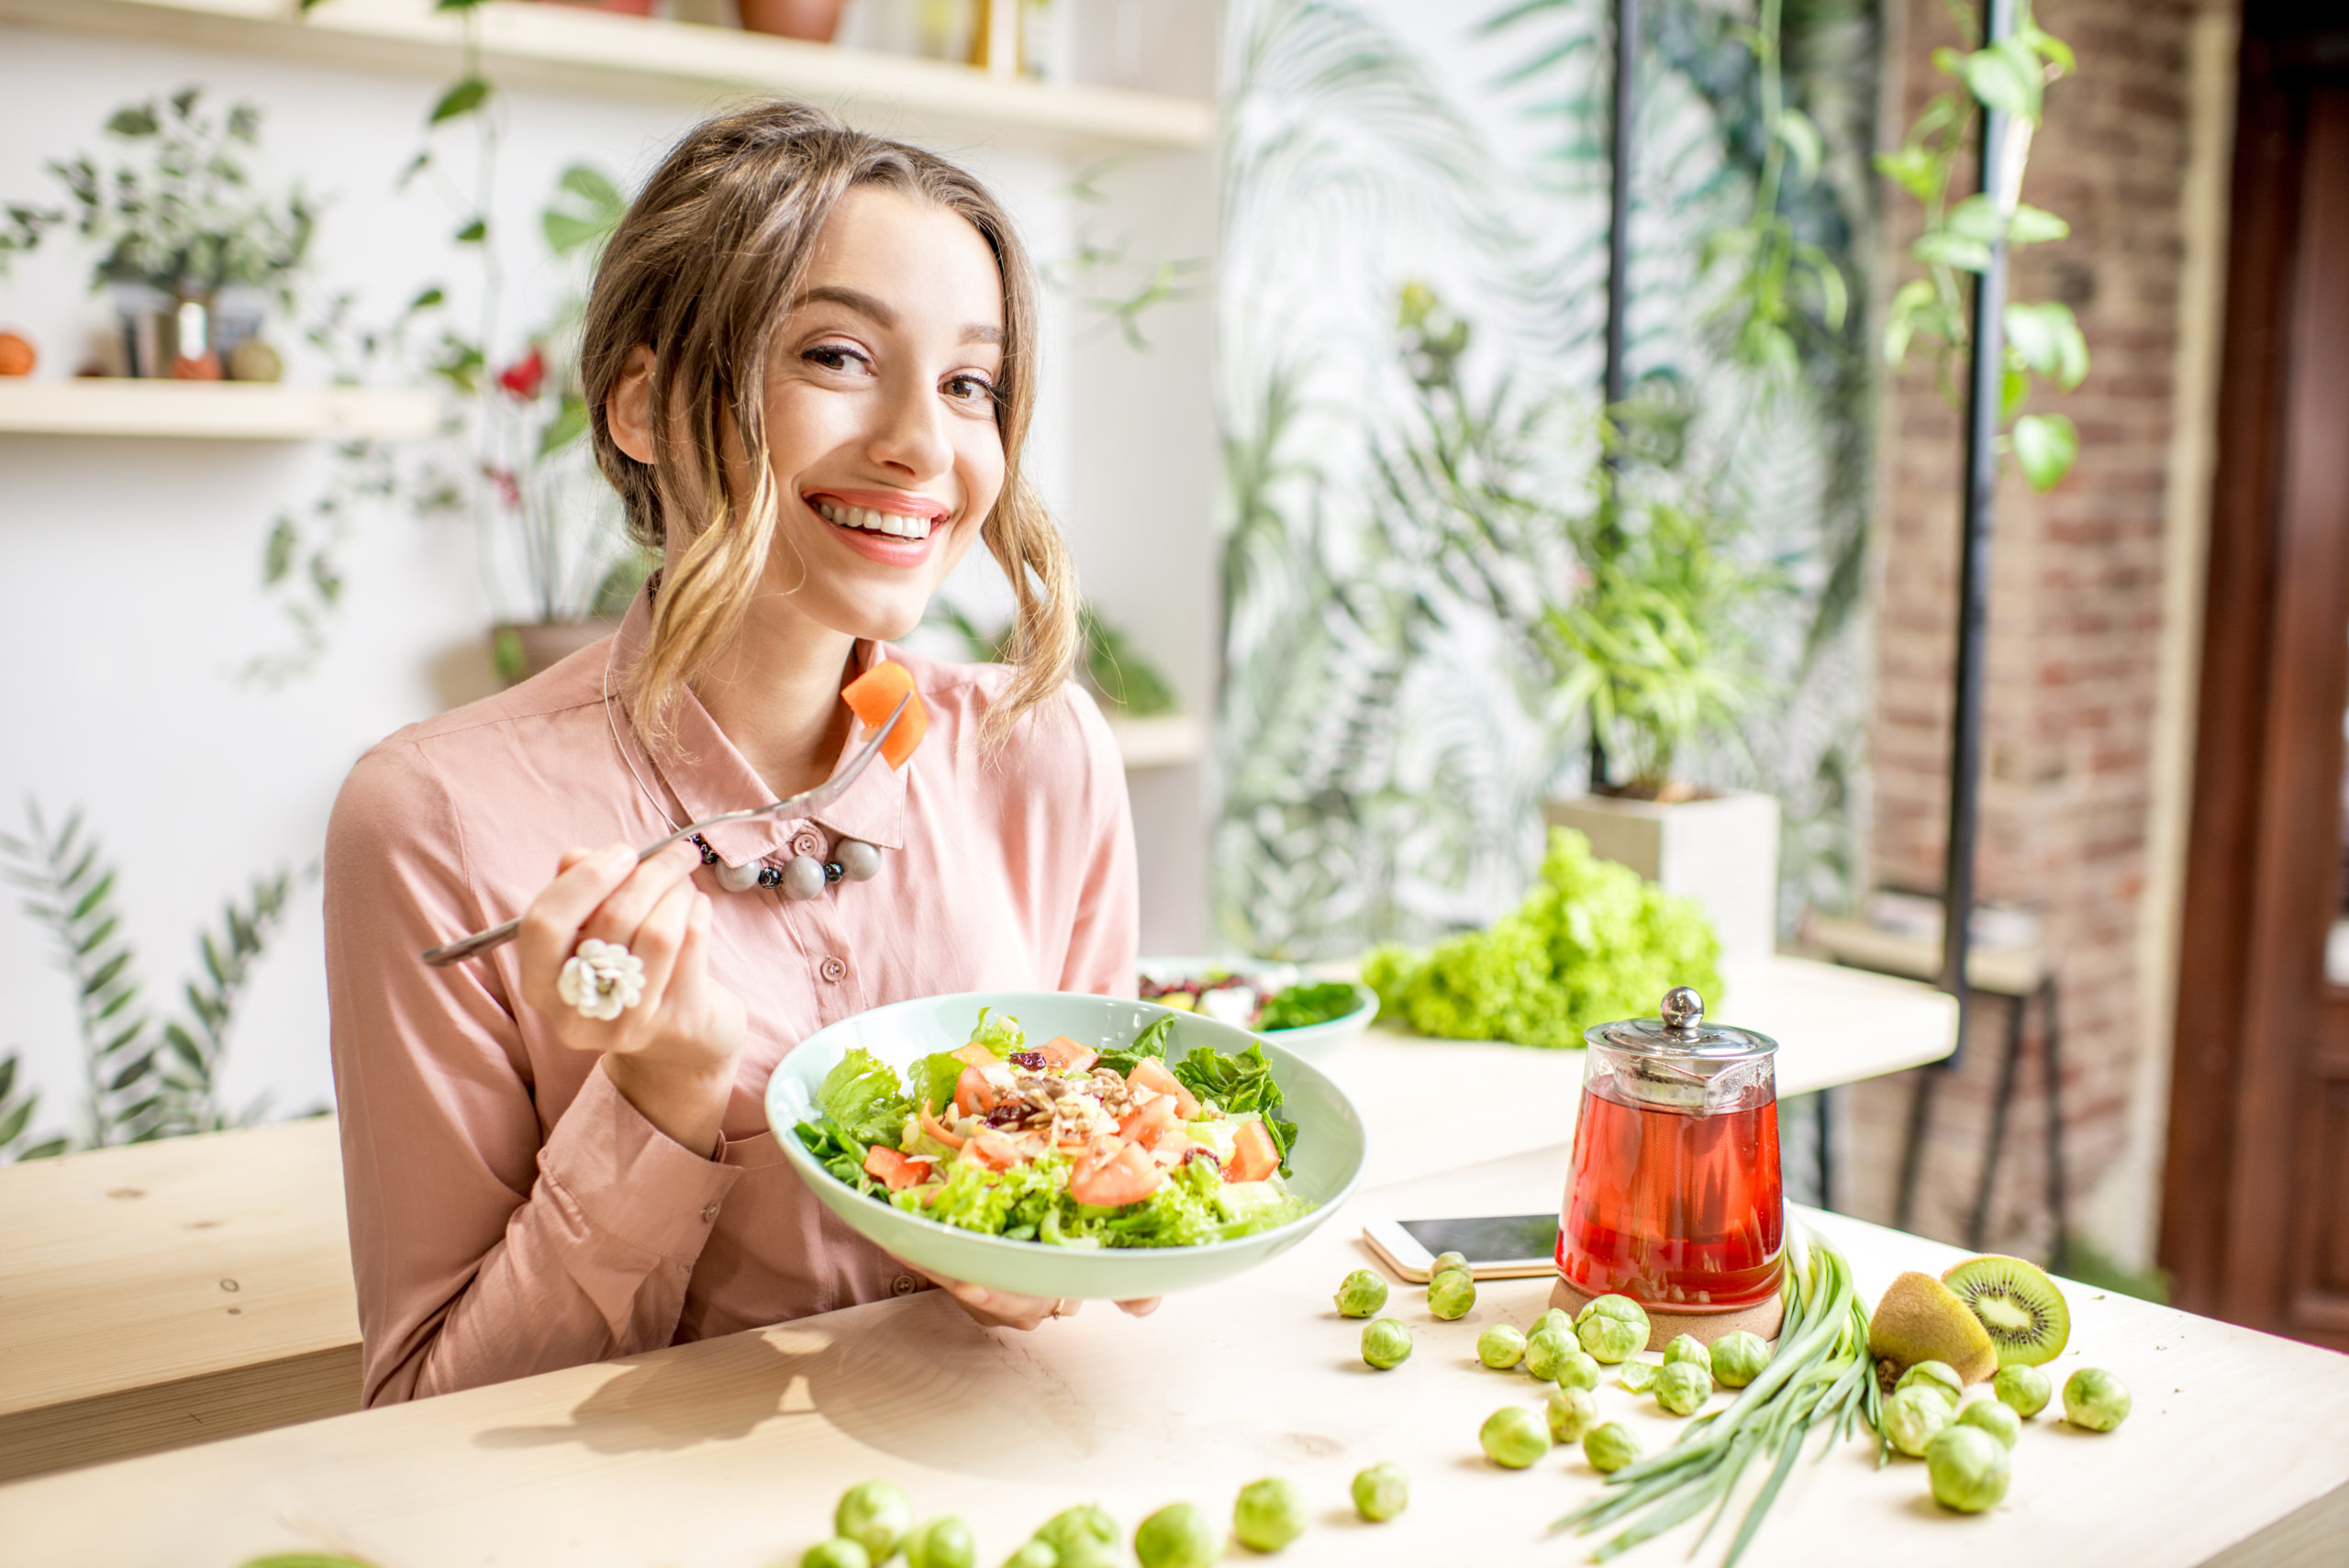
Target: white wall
135, 563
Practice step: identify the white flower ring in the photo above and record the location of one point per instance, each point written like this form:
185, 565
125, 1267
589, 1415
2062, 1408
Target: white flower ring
602, 979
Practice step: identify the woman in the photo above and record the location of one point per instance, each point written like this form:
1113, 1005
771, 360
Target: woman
810, 357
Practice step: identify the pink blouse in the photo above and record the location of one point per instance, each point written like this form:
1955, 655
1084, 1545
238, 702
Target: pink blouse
510, 1211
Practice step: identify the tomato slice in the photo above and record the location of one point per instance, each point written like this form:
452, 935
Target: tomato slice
1066, 1055
1151, 1073
873, 696
994, 1149
1146, 1121
1252, 1155
974, 1095
894, 1170
1115, 1177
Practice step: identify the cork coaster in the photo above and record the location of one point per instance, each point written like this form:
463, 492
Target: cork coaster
1762, 1318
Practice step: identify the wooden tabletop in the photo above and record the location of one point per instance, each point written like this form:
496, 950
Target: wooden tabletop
729, 1453
180, 1291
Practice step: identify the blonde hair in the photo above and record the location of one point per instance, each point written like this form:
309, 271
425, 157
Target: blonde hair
701, 272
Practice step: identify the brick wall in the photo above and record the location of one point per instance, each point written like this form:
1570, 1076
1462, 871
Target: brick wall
2075, 620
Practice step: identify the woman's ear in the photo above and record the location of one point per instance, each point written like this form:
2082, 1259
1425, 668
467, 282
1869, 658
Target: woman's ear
628, 408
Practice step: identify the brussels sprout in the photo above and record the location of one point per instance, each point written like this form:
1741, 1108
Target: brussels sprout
1911, 1418
1269, 1514
1446, 1260
876, 1515
1612, 1328
2022, 1389
1572, 1412
1084, 1536
1451, 1294
1557, 1320
1514, 1436
1381, 1491
1034, 1554
1994, 1419
1688, 1348
2096, 1399
1361, 1294
1577, 1369
1545, 1351
1968, 1468
1938, 1377
1639, 1376
1609, 1448
1179, 1536
1386, 1343
1500, 1347
942, 1543
1739, 1358
1681, 1386
841, 1552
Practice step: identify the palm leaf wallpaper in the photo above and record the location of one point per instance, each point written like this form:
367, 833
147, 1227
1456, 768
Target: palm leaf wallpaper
1412, 298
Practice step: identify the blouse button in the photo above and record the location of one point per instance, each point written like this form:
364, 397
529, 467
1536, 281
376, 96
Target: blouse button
904, 1284
709, 1214
832, 969
807, 842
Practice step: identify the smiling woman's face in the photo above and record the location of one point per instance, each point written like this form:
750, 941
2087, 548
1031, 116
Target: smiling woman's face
880, 414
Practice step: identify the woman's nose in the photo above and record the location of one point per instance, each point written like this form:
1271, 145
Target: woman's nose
910, 433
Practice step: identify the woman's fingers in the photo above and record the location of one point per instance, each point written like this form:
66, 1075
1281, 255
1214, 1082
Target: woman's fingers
627, 907
660, 939
1142, 1307
550, 925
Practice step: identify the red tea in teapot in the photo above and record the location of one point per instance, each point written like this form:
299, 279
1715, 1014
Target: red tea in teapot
1678, 1206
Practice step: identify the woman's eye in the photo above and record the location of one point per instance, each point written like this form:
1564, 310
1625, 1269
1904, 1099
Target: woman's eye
970, 389
832, 357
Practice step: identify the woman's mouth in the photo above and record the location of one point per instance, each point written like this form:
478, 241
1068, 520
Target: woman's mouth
869, 519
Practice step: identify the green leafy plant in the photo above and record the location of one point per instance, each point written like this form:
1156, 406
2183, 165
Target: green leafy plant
16, 1109
1661, 655
2043, 341
140, 1082
1111, 667
177, 211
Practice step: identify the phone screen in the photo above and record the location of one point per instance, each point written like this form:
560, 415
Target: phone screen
1507, 1239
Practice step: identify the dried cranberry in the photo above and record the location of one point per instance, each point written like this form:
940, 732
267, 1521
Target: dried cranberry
1005, 1115
1031, 1059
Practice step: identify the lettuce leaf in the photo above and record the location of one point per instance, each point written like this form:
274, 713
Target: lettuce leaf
862, 1101
932, 1080
1242, 1083
1151, 1041
1002, 1037
1592, 943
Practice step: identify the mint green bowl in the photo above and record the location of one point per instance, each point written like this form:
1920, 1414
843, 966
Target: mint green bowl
1324, 1167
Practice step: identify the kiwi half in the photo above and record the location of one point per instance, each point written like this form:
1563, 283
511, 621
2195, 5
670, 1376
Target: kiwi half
1920, 1320
2017, 1305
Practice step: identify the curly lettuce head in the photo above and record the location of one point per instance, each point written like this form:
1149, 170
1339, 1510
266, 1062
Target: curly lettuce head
1593, 942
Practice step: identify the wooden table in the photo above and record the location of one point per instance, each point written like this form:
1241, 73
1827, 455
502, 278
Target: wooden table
218, 1300
729, 1453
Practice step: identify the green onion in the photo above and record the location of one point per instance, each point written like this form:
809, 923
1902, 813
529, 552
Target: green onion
1821, 1376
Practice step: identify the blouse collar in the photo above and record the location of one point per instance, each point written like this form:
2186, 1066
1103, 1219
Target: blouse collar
707, 775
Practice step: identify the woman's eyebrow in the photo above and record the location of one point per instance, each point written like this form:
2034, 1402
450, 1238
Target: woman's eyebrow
882, 314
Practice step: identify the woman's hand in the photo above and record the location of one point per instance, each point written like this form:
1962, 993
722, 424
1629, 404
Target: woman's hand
673, 1054
1002, 1309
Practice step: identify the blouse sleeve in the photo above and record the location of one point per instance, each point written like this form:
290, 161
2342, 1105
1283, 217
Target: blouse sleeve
482, 1250
1105, 939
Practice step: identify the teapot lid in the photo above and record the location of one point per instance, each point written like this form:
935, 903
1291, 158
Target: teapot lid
1680, 1029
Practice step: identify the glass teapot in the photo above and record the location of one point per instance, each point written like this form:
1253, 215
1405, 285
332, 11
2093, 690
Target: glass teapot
1675, 1198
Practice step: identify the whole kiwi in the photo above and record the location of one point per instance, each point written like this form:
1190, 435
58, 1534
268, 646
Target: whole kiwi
2017, 1306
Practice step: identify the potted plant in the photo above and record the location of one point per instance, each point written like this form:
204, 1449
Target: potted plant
195, 257
1659, 663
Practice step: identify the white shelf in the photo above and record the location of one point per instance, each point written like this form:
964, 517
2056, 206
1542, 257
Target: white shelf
571, 50
1167, 742
216, 410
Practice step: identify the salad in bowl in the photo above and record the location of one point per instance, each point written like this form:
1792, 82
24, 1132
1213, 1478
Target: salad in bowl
1063, 1145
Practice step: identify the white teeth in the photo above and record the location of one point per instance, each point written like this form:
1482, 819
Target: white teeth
895, 525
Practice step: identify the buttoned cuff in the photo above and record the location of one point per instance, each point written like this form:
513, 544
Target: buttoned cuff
627, 1179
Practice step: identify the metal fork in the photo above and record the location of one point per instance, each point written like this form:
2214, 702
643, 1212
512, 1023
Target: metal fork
823, 795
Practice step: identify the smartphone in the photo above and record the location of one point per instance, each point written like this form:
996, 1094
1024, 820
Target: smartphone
1510, 1246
